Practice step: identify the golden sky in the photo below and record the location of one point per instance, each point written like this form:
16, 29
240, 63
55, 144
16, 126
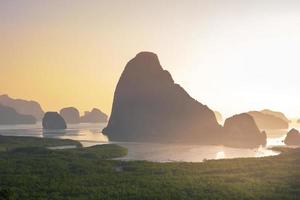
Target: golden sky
232, 55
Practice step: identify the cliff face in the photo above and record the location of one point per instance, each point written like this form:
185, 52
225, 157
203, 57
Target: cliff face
23, 106
10, 116
149, 106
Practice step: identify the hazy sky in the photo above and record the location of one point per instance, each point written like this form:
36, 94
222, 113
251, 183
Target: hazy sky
233, 56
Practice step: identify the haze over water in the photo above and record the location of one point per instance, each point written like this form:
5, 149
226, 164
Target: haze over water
90, 134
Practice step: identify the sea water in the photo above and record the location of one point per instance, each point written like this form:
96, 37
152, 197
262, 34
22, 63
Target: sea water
90, 134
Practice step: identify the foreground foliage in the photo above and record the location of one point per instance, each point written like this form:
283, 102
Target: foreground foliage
86, 173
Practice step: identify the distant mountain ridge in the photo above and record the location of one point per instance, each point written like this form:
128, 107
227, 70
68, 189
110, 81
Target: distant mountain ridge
24, 107
8, 116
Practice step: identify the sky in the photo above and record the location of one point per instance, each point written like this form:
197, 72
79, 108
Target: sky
232, 55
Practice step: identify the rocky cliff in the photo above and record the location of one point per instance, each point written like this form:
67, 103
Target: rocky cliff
149, 106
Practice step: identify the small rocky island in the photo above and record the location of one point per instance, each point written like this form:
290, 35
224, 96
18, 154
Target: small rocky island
9, 116
71, 115
149, 107
292, 138
53, 121
242, 131
95, 116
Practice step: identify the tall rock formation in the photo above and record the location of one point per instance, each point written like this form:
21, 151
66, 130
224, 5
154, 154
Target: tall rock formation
24, 107
52, 120
71, 115
95, 116
242, 131
8, 116
149, 106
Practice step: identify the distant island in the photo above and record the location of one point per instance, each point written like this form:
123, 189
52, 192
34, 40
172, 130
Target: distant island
24, 107
53, 121
148, 106
267, 119
93, 116
71, 115
9, 116
276, 114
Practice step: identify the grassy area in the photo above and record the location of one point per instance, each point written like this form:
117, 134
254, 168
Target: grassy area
10, 142
86, 173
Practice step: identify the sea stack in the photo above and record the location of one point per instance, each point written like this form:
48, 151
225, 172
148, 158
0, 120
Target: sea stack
148, 106
71, 115
241, 131
53, 121
292, 138
95, 116
9, 116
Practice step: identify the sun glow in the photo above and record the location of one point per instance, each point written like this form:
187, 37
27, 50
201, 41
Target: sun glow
220, 155
241, 53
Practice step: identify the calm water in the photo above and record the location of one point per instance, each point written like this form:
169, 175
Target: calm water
90, 134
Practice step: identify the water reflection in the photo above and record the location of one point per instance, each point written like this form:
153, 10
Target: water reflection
90, 134
188, 153
54, 133
82, 132
220, 155
85, 133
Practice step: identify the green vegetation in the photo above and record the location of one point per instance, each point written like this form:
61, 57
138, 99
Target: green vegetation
11, 142
29, 172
